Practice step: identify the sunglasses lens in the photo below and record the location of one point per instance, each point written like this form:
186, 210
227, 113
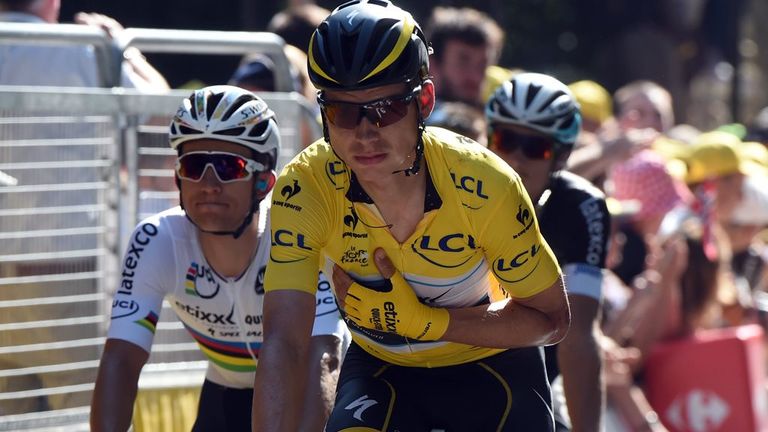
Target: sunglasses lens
533, 147
228, 167
391, 113
343, 115
381, 113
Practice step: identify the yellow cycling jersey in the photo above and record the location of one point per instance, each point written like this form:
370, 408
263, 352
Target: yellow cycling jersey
479, 232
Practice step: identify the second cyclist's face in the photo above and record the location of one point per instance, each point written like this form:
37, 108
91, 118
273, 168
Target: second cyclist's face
213, 205
533, 172
373, 152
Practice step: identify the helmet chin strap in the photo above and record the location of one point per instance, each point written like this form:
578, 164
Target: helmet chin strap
416, 165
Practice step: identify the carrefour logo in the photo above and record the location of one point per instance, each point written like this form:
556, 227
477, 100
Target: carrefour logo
445, 251
509, 269
287, 238
697, 411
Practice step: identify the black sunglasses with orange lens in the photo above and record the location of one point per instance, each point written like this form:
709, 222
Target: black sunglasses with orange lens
534, 147
381, 112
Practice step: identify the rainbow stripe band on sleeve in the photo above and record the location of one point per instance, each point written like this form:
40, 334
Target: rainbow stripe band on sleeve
149, 322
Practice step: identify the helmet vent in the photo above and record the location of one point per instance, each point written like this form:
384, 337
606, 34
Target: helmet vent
379, 3
533, 90
231, 132
188, 131
568, 122
213, 102
551, 99
259, 129
193, 111
240, 101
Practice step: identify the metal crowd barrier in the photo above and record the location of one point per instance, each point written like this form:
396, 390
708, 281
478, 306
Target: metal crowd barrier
80, 168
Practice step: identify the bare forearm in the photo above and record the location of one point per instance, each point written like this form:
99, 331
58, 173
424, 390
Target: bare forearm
116, 386
278, 389
321, 386
504, 324
580, 362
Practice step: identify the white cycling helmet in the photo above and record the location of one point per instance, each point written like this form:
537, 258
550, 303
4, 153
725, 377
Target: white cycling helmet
227, 113
539, 102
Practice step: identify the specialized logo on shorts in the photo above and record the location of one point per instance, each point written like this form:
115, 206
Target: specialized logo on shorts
448, 251
525, 219
360, 405
259, 286
469, 185
332, 169
195, 273
350, 221
149, 322
288, 192
139, 242
509, 269
355, 255
123, 308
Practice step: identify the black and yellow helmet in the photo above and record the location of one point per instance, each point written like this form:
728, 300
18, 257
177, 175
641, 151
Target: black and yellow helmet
367, 43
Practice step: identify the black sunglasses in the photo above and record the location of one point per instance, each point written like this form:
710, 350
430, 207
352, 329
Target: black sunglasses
381, 112
532, 146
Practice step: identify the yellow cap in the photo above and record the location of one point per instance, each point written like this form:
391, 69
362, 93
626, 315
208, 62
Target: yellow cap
716, 154
755, 152
495, 77
596, 103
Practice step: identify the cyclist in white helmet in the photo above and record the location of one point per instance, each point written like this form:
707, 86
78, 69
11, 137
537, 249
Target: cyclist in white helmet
207, 258
533, 122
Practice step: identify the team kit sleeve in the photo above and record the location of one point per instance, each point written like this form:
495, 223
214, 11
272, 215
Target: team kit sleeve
327, 316
583, 268
299, 225
520, 259
138, 300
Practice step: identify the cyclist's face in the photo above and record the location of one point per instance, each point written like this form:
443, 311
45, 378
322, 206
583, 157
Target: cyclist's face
534, 167
369, 150
216, 206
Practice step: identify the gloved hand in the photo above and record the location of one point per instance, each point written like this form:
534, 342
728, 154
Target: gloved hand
393, 309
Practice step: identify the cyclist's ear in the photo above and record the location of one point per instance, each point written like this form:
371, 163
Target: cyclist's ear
426, 98
265, 181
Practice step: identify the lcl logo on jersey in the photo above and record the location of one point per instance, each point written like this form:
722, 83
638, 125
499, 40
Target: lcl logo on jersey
332, 169
519, 266
448, 251
287, 238
525, 219
288, 192
350, 221
469, 184
124, 308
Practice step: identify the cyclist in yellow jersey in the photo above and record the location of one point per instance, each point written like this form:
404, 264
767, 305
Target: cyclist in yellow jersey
412, 224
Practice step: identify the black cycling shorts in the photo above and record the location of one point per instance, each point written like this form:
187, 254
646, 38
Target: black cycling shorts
505, 392
223, 409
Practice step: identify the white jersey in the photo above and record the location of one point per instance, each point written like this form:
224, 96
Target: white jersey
164, 260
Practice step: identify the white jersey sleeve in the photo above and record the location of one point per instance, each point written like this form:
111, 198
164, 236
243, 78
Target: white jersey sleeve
138, 300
